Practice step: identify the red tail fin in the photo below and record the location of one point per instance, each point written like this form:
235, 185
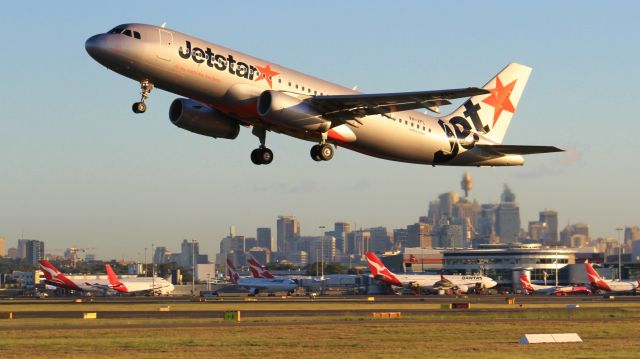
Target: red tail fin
525, 283
54, 277
380, 272
116, 284
257, 269
592, 275
233, 275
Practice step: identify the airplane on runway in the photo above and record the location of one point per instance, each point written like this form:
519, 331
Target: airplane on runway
55, 278
427, 282
257, 269
551, 289
224, 89
154, 285
260, 285
614, 286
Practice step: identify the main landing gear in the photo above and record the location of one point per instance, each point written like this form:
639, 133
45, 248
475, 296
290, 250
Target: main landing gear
261, 155
322, 151
146, 87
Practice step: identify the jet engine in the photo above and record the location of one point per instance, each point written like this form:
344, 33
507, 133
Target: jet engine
291, 112
193, 116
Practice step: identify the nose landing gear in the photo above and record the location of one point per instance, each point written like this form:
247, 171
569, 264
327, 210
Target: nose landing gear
141, 106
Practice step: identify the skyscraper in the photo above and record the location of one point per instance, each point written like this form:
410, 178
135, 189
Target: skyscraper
34, 251
288, 232
22, 248
419, 236
550, 237
263, 236
508, 217
3, 247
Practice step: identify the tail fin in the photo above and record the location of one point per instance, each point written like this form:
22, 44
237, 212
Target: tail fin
115, 283
380, 272
491, 114
592, 275
233, 275
53, 276
257, 269
525, 283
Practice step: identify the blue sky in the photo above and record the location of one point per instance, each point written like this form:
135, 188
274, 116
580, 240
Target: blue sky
79, 168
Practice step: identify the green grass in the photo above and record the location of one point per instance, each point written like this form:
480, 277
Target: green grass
438, 334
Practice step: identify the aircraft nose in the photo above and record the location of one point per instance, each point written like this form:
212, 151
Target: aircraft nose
96, 46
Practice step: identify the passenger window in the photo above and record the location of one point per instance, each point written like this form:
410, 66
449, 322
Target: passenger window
127, 32
296, 86
279, 81
315, 92
289, 83
136, 35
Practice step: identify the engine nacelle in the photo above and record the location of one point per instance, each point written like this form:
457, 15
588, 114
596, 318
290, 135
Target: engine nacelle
203, 120
291, 112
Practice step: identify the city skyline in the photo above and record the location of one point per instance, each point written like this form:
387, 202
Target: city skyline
81, 170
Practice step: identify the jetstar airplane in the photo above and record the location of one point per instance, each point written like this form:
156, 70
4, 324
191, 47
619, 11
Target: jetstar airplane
257, 269
226, 89
257, 285
426, 282
551, 289
55, 278
139, 285
606, 285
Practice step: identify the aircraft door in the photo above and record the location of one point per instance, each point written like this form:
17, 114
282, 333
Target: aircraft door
166, 41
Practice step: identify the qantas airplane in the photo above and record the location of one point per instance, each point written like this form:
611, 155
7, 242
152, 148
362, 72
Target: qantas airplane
138, 285
551, 289
606, 285
427, 282
224, 89
55, 278
257, 285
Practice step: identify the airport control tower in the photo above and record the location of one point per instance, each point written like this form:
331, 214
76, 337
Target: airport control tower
466, 184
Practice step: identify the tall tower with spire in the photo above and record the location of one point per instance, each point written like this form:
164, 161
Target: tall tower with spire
466, 184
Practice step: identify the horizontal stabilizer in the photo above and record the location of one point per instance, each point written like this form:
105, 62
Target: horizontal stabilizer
517, 149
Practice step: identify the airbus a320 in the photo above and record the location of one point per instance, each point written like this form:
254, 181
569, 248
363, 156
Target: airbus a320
224, 90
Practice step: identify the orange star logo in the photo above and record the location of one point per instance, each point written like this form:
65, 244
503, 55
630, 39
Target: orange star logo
499, 99
266, 74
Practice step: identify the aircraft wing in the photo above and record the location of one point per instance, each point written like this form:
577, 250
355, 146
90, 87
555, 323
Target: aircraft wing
517, 149
360, 105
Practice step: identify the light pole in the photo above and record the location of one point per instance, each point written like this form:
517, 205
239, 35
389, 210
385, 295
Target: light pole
145, 261
321, 228
153, 272
193, 268
619, 229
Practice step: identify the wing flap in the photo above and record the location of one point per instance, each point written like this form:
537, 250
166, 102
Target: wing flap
518, 149
361, 105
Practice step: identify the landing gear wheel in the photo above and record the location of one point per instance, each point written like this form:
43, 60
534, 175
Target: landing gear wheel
315, 153
325, 152
139, 107
261, 156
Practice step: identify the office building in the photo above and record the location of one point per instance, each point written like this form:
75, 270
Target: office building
550, 238
34, 251
288, 232
263, 237
508, 217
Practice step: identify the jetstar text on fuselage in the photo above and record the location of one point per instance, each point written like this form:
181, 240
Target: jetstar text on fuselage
218, 61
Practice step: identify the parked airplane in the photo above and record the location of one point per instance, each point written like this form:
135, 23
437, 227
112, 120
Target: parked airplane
226, 89
258, 285
257, 269
427, 282
55, 278
552, 289
599, 283
155, 285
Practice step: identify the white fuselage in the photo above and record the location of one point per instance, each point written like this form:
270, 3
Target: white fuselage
268, 285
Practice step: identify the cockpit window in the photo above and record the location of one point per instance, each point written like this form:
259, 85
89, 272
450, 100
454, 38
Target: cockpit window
116, 30
127, 32
136, 35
